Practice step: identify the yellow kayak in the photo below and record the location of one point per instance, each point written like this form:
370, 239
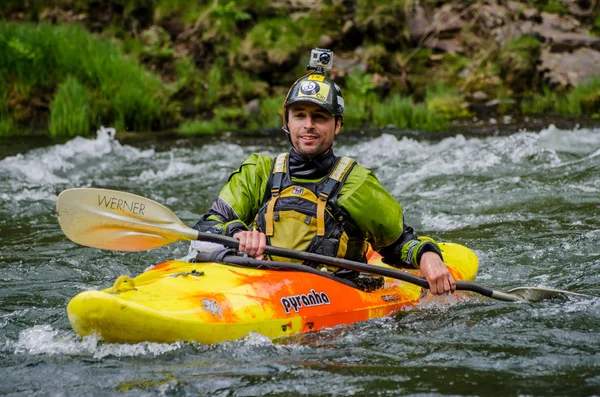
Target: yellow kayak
212, 302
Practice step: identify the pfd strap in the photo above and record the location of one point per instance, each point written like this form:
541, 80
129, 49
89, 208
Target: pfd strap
337, 175
279, 170
269, 215
280, 163
321, 217
341, 168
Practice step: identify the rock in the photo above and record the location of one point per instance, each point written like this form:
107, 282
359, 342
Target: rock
444, 23
563, 23
568, 69
343, 65
253, 107
61, 16
446, 45
463, 74
296, 5
490, 107
479, 96
447, 20
517, 62
382, 84
325, 41
493, 15
418, 23
513, 30
532, 15
560, 42
564, 33
524, 11
580, 8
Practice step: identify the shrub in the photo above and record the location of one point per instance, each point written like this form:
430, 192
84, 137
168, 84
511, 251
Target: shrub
45, 57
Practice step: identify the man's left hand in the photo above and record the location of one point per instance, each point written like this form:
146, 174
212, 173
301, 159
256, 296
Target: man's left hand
437, 274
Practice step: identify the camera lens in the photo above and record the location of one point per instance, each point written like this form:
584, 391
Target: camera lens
324, 58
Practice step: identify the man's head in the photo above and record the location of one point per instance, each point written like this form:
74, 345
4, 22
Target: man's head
313, 114
311, 128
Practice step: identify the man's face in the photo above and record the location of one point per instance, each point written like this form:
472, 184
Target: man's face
312, 128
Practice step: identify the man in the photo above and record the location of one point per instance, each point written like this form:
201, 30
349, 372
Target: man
309, 199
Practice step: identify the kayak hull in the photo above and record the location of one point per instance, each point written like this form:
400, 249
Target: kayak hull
210, 302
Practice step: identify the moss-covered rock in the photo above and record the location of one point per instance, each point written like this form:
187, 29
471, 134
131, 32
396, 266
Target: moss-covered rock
517, 62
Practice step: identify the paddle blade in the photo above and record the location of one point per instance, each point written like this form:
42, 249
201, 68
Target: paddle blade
537, 294
113, 220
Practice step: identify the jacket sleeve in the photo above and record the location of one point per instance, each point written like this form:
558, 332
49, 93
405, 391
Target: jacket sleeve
240, 199
381, 219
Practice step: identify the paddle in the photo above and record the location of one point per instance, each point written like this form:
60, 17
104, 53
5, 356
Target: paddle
114, 220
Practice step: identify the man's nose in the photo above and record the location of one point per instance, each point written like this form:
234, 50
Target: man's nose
308, 122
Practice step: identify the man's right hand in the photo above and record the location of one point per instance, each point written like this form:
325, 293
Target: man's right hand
252, 243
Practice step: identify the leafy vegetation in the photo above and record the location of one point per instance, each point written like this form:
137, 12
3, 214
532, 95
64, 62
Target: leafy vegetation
43, 60
401, 112
582, 99
517, 62
210, 66
71, 111
446, 101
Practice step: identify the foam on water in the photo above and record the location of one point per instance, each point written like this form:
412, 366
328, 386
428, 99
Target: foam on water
460, 156
68, 163
43, 339
525, 203
441, 180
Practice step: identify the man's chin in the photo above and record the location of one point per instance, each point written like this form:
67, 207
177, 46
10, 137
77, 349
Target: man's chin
310, 151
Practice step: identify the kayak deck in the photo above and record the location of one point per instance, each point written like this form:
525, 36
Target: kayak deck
211, 302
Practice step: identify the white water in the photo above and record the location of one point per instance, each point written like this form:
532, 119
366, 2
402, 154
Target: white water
526, 203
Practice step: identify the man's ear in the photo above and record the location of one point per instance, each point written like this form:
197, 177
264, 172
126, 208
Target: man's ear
338, 125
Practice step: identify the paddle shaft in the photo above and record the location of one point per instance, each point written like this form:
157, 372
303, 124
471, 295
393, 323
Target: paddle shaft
360, 267
109, 219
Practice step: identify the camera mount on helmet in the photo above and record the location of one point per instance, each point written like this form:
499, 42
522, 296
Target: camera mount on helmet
321, 60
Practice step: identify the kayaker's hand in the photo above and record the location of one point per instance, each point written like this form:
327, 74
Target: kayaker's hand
252, 243
437, 274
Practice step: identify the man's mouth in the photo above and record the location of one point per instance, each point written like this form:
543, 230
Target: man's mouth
309, 137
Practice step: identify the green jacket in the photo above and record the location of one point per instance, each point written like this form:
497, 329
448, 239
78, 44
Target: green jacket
376, 213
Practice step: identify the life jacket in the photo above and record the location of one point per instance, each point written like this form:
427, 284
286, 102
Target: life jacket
304, 216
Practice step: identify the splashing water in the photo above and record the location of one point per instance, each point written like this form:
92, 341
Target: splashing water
526, 203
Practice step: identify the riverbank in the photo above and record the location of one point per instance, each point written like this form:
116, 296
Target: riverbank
204, 68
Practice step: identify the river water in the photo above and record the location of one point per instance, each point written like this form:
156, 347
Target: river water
527, 203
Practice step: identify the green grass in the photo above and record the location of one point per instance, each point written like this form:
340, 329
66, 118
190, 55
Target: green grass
270, 115
359, 109
581, 100
237, 119
46, 57
365, 108
556, 7
446, 101
71, 112
596, 27
277, 37
538, 104
201, 127
401, 112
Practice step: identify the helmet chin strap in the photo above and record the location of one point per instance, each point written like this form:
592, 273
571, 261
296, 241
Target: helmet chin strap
288, 134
